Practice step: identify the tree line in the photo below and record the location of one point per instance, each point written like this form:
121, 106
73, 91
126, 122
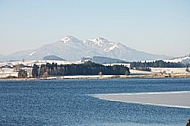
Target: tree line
87, 68
159, 63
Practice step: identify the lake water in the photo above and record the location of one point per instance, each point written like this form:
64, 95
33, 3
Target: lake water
71, 103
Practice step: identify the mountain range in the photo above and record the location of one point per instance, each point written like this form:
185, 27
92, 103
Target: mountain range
72, 49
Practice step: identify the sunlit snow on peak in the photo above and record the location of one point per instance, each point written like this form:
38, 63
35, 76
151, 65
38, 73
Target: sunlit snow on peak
112, 47
99, 41
68, 39
65, 39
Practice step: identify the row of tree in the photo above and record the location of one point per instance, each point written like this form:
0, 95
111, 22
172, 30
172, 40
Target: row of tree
159, 63
88, 68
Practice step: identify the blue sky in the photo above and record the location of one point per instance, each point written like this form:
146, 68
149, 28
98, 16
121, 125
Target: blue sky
154, 26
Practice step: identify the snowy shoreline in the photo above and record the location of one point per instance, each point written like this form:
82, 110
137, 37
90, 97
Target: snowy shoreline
148, 76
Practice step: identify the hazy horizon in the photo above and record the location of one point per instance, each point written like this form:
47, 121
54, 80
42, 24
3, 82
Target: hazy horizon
157, 27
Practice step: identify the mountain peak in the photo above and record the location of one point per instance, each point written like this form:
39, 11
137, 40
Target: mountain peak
99, 41
68, 39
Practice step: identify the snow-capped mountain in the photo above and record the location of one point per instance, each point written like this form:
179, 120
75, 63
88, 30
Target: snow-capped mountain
119, 51
72, 49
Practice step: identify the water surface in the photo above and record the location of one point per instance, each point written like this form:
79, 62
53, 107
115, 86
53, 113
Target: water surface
70, 102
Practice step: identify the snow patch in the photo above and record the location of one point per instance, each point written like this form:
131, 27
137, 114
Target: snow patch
70, 39
111, 48
65, 39
99, 41
96, 42
32, 53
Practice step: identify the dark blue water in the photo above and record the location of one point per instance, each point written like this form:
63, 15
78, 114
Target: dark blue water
68, 103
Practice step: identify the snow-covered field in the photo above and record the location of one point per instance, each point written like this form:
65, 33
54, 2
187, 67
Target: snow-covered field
37, 62
6, 68
138, 72
5, 72
169, 70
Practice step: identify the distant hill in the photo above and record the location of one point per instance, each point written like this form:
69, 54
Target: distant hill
52, 57
20, 55
102, 60
73, 49
182, 59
